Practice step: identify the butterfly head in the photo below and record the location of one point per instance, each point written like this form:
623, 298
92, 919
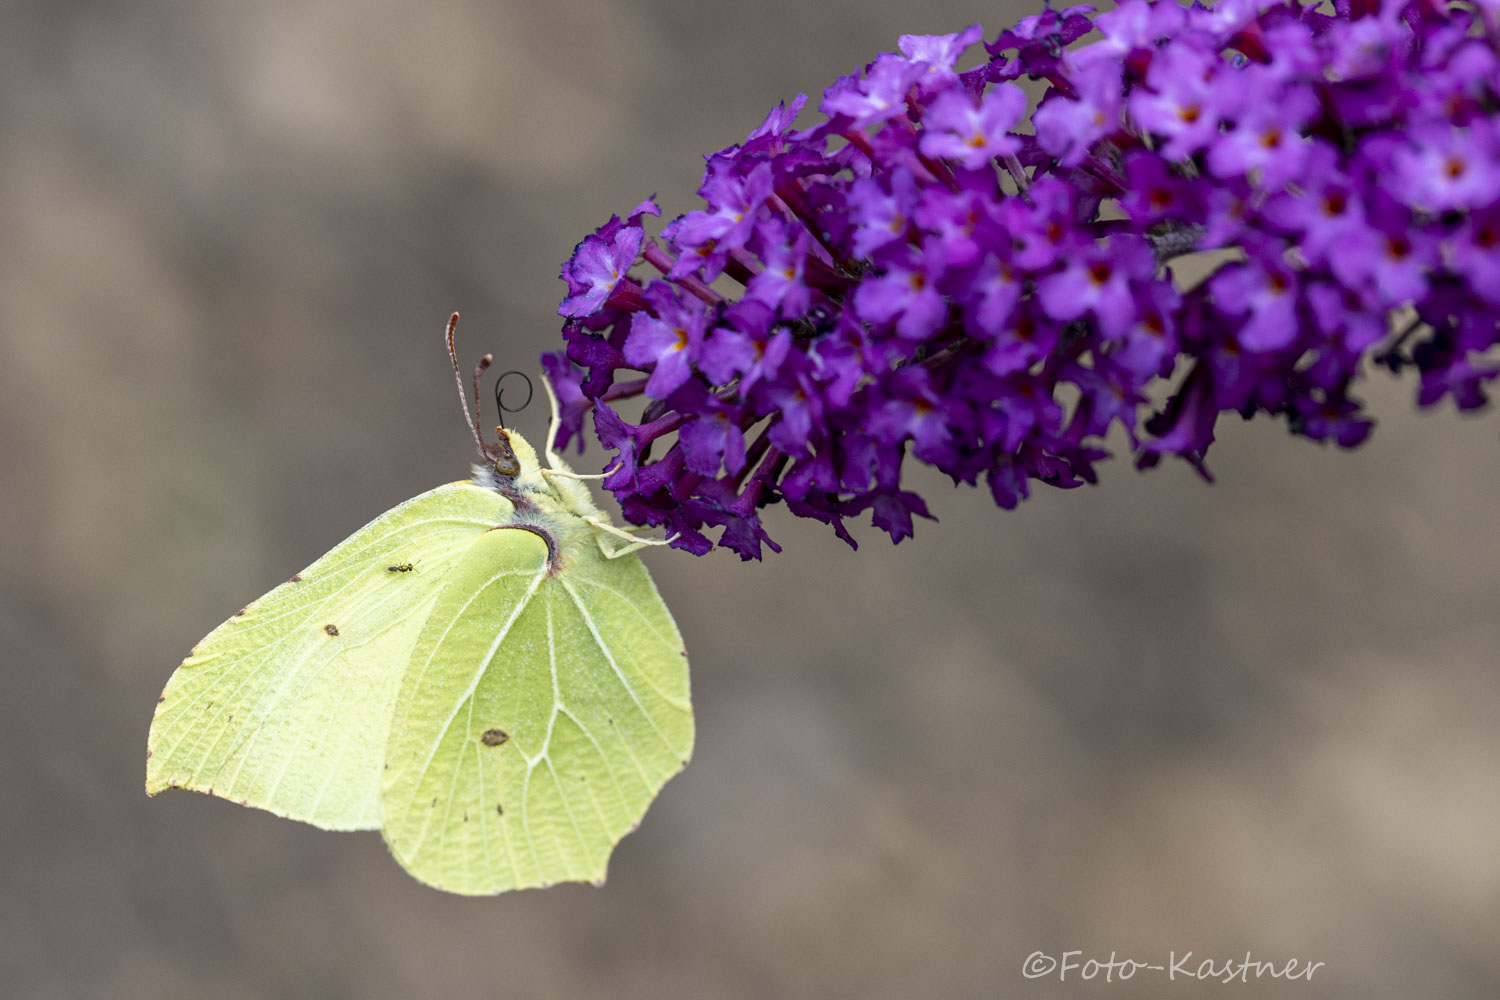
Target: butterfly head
510, 467
504, 455
511, 456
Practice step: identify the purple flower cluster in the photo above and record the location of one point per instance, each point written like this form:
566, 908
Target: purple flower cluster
922, 275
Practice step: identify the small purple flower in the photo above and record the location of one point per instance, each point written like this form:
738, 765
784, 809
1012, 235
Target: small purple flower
1324, 211
1351, 321
705, 239
1131, 28
1100, 283
880, 211
1334, 418
776, 123
909, 410
1265, 294
955, 128
892, 510
904, 294
1441, 169
1459, 378
1266, 135
994, 287
572, 404
1039, 42
799, 413
614, 433
712, 440
602, 260
1068, 128
1040, 228
1183, 100
1157, 192
665, 342
1149, 347
781, 283
1388, 257
1020, 343
938, 55
880, 95
1475, 250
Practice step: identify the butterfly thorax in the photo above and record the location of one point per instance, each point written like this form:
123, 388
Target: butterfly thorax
557, 507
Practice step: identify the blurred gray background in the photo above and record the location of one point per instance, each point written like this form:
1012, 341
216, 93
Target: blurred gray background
1152, 716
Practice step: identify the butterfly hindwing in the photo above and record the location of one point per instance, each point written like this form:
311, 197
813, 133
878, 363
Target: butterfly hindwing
287, 705
545, 706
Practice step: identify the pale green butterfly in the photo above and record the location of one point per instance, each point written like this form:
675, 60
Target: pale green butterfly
485, 673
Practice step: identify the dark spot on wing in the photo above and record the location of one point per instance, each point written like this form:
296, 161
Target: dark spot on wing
331, 629
434, 803
494, 737
466, 815
401, 568
499, 809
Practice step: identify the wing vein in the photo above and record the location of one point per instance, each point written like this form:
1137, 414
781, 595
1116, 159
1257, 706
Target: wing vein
615, 666
484, 664
272, 695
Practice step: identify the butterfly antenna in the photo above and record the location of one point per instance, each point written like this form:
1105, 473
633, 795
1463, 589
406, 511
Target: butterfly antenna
458, 378
479, 370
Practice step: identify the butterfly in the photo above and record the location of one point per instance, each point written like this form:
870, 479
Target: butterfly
484, 673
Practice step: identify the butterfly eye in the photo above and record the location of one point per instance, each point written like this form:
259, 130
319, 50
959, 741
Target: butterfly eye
506, 463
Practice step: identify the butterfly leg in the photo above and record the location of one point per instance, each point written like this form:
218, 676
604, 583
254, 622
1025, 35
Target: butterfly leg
556, 466
553, 425
605, 528
570, 474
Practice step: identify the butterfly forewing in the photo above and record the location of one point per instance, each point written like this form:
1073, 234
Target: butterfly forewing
287, 705
545, 706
